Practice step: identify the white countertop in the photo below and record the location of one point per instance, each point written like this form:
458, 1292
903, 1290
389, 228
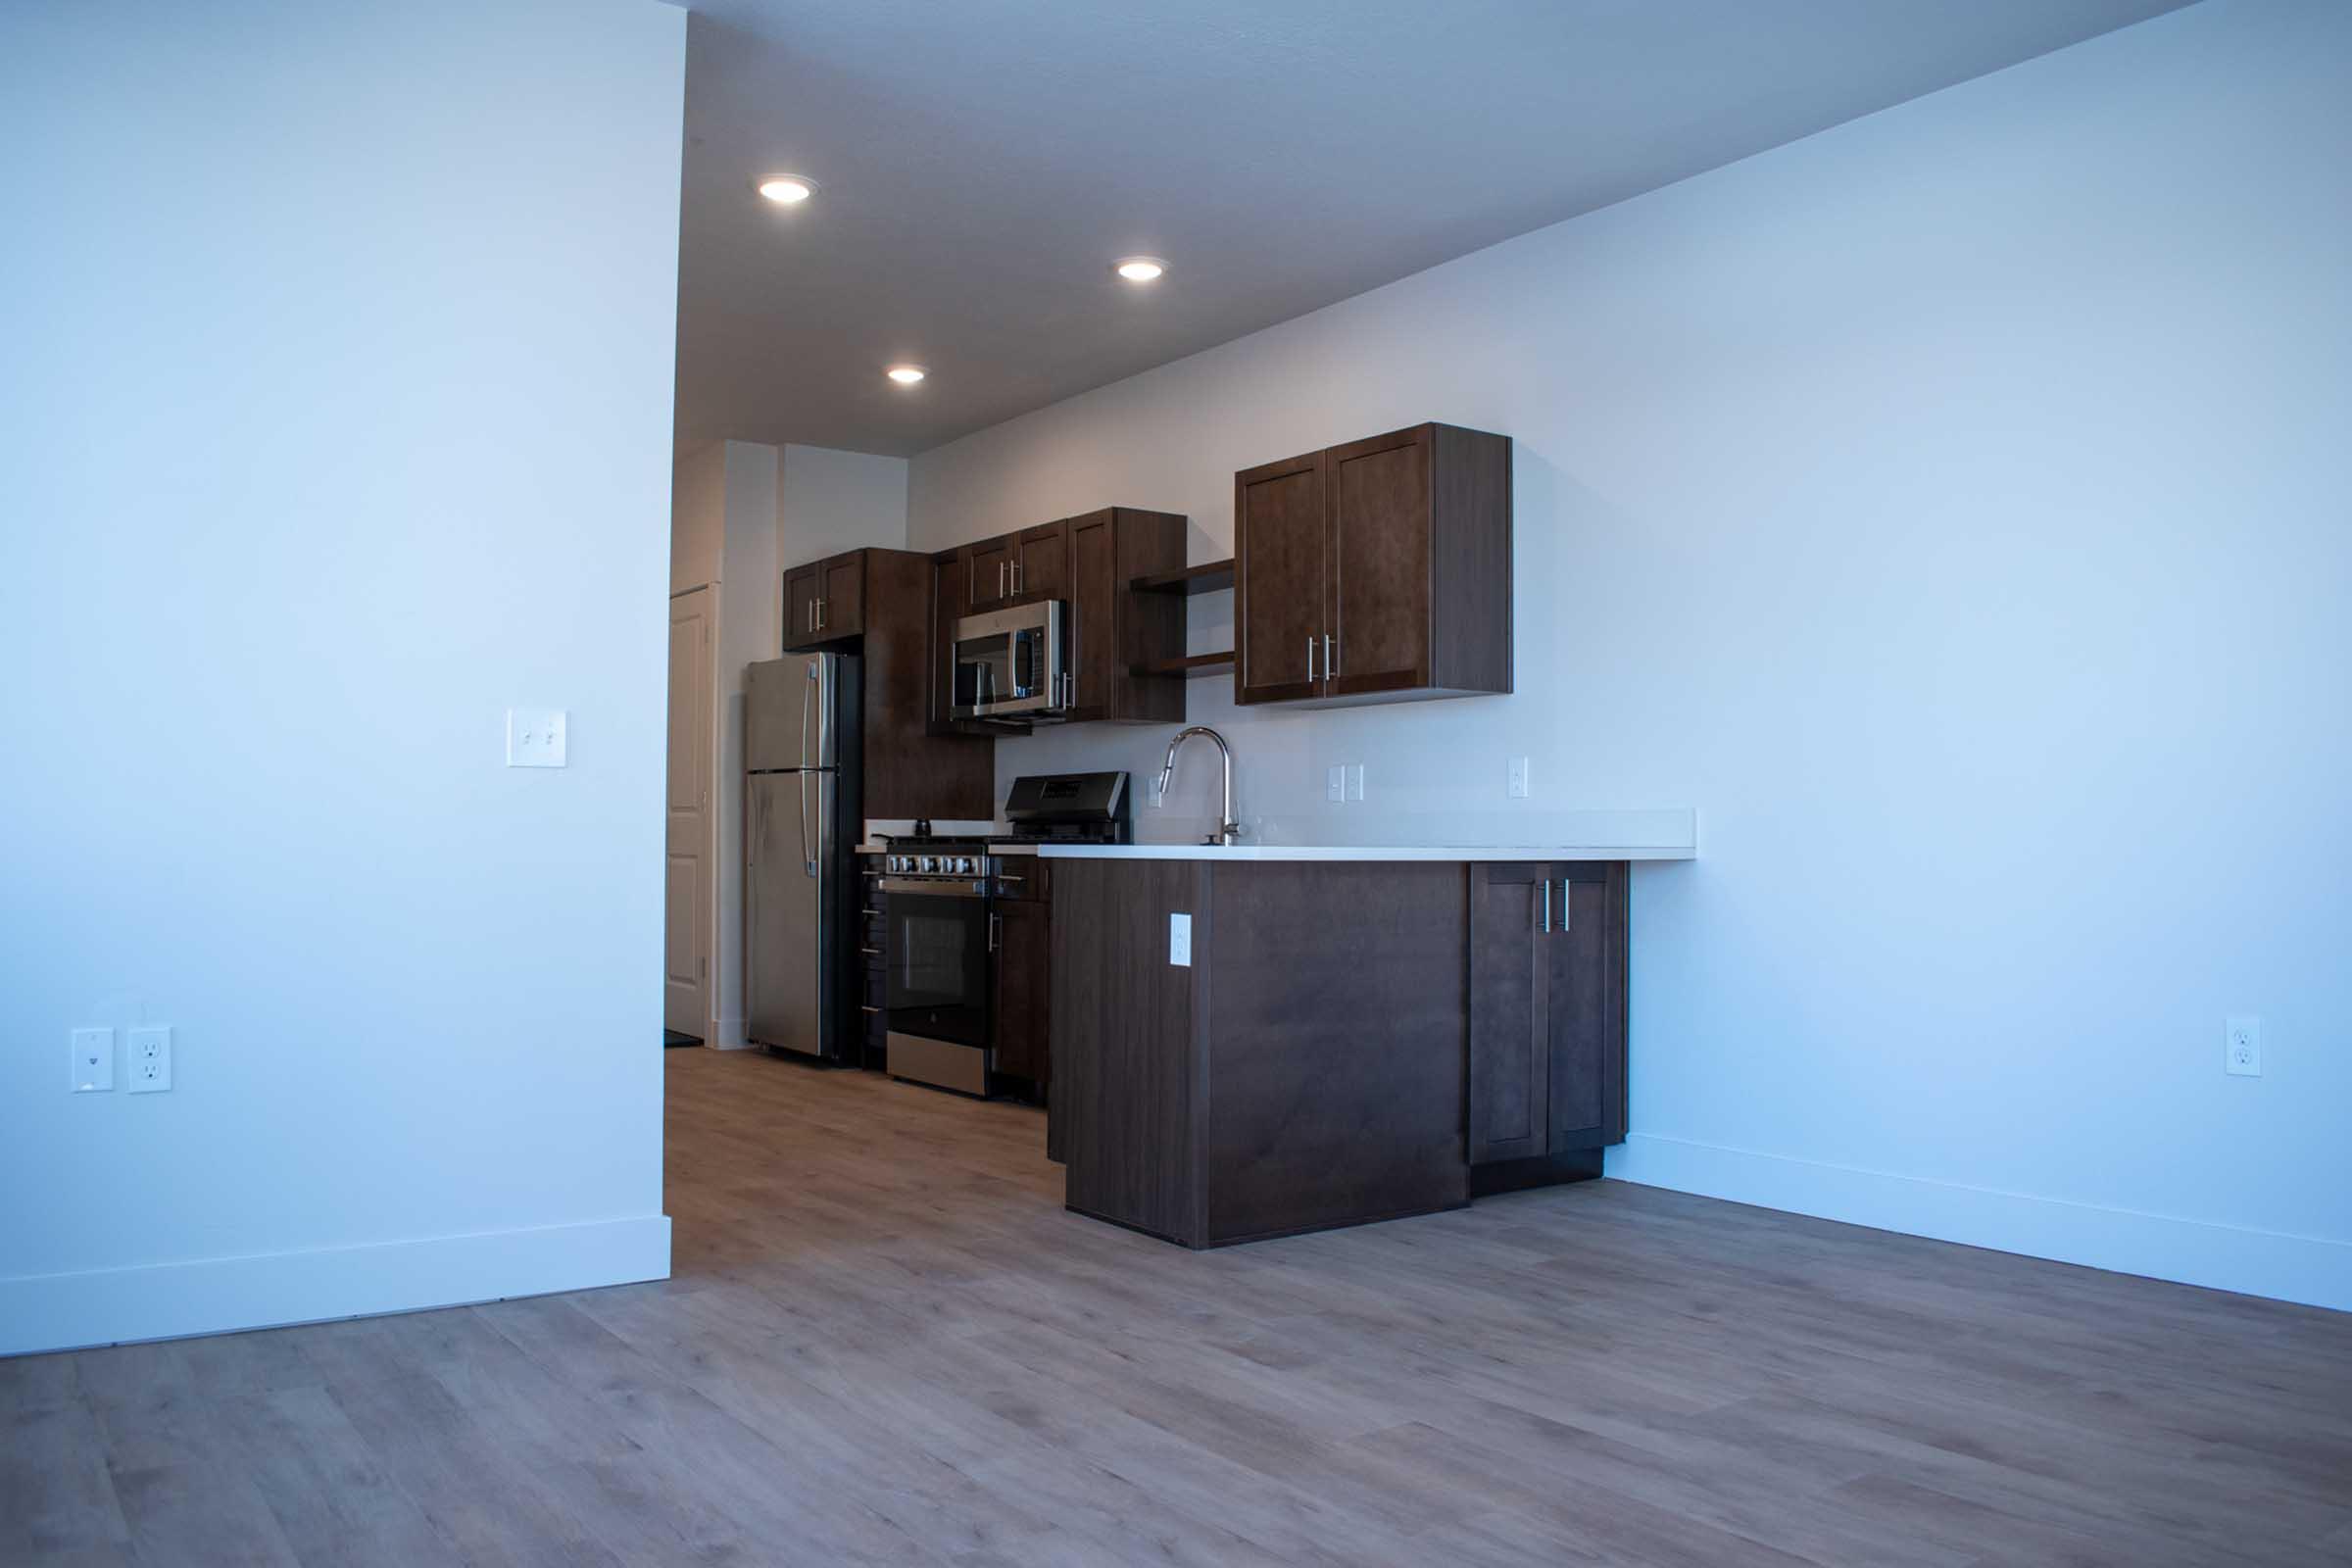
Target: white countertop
1368, 852
1668, 834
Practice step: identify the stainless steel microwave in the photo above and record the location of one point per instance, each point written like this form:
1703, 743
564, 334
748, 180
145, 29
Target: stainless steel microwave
1014, 664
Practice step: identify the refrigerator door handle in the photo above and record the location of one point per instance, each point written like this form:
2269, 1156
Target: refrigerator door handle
824, 713
808, 860
805, 762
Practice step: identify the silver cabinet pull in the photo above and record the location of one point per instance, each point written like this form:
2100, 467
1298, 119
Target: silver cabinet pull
1310, 658
1546, 923
820, 615
1567, 903
1000, 591
1331, 665
992, 928
1017, 576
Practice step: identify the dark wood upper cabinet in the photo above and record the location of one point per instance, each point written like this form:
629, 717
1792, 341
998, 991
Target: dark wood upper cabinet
909, 771
1113, 629
824, 601
841, 604
1547, 1009
988, 568
1041, 564
1279, 529
802, 586
1376, 571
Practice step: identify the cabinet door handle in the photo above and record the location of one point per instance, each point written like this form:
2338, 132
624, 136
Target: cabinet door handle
1017, 576
1331, 665
1545, 905
1000, 591
820, 615
993, 929
1310, 658
1567, 906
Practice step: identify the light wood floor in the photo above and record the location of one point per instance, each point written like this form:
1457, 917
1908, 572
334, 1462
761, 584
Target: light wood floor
888, 1343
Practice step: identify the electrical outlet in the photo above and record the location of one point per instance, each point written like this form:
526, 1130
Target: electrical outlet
1180, 940
1356, 781
1516, 783
535, 737
2241, 1047
1152, 791
93, 1060
150, 1060
1335, 782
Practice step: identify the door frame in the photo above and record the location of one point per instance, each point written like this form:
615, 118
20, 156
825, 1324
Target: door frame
713, 750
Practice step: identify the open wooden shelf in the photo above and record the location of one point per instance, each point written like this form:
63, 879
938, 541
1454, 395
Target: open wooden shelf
1208, 577
1188, 665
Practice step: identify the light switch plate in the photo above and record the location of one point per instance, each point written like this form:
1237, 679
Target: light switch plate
535, 737
1180, 940
149, 1061
93, 1060
1335, 782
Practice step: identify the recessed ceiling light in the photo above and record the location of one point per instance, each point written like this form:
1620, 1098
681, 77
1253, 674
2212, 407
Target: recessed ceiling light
788, 190
906, 375
1140, 268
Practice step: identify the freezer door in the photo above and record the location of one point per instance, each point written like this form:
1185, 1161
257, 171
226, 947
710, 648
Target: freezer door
785, 890
784, 701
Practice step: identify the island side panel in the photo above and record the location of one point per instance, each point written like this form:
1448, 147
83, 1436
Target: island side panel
1337, 1045
1125, 1066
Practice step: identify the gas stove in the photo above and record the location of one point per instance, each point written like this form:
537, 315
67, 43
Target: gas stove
1039, 809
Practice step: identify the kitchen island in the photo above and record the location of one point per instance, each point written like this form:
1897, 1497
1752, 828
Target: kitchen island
1252, 1040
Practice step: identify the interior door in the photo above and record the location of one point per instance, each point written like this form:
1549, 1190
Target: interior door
686, 899
1278, 548
1378, 601
1510, 1095
1585, 1005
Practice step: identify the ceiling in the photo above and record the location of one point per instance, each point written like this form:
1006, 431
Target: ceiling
982, 164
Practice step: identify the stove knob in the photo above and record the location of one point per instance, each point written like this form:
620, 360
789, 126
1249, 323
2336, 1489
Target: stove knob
963, 866
928, 863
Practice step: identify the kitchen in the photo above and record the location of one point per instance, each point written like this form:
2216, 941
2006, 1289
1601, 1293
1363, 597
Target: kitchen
1170, 1000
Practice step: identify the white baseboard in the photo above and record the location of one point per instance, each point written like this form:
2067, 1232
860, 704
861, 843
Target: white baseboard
2311, 1270
218, 1295
730, 1034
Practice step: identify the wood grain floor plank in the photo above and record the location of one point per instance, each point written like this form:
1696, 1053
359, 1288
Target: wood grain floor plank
887, 1344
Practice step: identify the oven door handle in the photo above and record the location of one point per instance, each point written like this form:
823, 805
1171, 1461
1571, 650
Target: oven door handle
944, 890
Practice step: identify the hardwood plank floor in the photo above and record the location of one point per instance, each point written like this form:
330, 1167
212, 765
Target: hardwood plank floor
887, 1344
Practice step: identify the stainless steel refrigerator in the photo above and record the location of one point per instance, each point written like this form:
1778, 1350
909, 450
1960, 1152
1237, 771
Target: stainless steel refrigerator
802, 816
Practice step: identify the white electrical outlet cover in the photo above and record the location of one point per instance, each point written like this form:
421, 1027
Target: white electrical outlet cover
1356, 781
93, 1060
1180, 940
1516, 781
2241, 1047
149, 1061
535, 737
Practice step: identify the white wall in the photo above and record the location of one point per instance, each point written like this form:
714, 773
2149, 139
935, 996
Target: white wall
336, 420
698, 515
1952, 508
834, 501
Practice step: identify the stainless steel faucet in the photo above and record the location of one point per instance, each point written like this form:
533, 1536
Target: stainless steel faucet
1228, 827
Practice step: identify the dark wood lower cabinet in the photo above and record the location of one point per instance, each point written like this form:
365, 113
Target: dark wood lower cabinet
1350, 1041
1021, 1006
1547, 1009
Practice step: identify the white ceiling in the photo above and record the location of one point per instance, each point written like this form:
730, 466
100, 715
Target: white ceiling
983, 163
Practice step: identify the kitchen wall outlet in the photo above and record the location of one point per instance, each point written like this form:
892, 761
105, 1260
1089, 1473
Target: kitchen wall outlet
150, 1060
1335, 782
1516, 785
93, 1060
1153, 795
1180, 940
535, 737
2241, 1047
1356, 781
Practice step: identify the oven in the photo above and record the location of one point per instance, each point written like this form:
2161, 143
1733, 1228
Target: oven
1014, 664
936, 996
